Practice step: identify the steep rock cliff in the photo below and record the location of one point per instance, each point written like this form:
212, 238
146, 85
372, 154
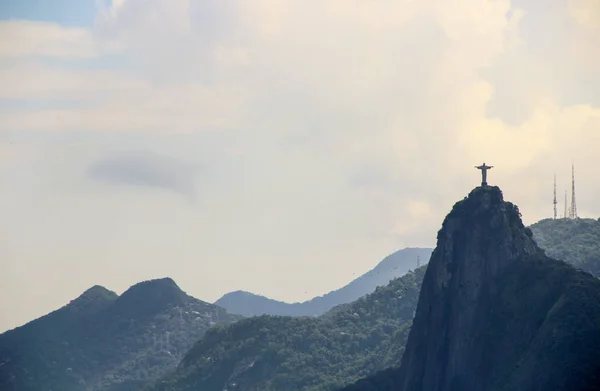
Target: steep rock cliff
495, 313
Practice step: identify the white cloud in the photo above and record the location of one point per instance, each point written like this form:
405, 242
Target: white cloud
21, 38
30, 80
332, 132
122, 104
586, 13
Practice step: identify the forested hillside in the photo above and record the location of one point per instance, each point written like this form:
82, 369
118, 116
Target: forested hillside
272, 353
101, 341
575, 241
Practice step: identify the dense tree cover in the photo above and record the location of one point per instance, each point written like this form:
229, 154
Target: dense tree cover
270, 353
574, 241
393, 266
101, 341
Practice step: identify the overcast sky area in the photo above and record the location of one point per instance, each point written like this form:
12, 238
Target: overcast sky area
277, 146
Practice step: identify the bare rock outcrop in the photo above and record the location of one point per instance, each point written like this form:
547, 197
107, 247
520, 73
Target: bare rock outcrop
495, 313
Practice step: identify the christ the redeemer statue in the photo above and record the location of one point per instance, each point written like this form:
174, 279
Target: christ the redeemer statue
484, 169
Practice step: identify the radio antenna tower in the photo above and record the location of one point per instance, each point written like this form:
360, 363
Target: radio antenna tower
555, 196
565, 215
573, 203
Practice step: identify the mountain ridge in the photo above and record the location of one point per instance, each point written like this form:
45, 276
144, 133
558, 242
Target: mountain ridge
392, 266
576, 241
101, 341
150, 296
282, 353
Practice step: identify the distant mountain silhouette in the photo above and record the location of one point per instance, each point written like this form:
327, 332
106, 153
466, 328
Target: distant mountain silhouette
101, 341
392, 266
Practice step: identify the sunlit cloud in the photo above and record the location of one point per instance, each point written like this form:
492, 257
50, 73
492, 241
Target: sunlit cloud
339, 129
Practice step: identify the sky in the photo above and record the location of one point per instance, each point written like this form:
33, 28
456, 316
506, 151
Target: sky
282, 147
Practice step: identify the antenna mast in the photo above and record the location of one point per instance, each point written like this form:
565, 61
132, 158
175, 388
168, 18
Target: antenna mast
554, 196
565, 215
573, 203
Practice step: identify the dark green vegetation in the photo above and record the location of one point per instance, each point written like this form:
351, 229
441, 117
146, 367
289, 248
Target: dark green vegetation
574, 241
392, 266
495, 313
271, 353
101, 341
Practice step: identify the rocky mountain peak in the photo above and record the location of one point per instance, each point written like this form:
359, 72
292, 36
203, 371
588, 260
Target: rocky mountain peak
482, 235
98, 291
152, 296
487, 292
93, 299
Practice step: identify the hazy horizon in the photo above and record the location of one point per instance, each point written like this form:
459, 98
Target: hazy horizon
214, 299
278, 147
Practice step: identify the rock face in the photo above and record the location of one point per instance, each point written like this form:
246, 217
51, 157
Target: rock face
495, 313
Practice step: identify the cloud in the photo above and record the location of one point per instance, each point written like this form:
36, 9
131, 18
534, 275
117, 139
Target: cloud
333, 132
28, 80
586, 13
22, 38
143, 168
403, 95
399, 91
